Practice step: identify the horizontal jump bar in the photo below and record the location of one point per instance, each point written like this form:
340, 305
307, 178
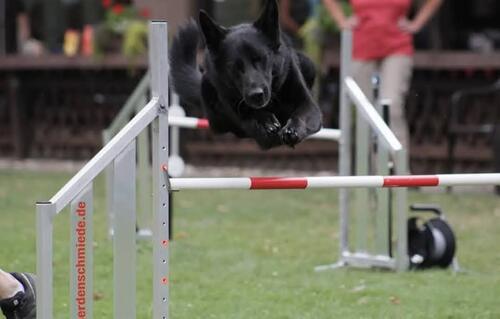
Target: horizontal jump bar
188, 122
252, 183
200, 123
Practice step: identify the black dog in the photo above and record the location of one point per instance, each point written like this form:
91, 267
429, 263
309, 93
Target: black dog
253, 83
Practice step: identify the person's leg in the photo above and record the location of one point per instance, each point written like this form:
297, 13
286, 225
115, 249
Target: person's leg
9, 285
17, 295
362, 73
395, 77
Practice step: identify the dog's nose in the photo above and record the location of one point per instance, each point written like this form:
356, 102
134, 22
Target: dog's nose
256, 96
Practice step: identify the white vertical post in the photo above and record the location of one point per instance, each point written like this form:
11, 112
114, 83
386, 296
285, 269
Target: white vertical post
45, 212
382, 223
144, 216
109, 187
81, 256
158, 57
345, 139
124, 237
362, 214
401, 193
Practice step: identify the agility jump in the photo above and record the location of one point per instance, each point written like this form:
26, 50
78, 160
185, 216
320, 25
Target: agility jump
201, 123
120, 153
256, 183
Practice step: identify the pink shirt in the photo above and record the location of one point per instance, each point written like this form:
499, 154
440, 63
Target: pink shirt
377, 34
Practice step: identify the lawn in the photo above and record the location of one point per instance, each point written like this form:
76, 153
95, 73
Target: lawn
241, 254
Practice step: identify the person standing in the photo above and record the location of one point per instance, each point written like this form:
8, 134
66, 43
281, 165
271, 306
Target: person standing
383, 44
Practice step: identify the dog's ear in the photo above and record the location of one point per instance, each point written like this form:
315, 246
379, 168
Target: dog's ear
213, 33
268, 23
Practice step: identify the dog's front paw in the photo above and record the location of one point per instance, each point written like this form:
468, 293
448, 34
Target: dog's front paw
290, 136
265, 128
271, 125
293, 133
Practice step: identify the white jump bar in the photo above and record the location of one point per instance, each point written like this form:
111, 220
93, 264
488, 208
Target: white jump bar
334, 181
200, 123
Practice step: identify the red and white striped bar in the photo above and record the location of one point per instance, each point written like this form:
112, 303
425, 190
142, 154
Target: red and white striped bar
188, 122
254, 183
198, 123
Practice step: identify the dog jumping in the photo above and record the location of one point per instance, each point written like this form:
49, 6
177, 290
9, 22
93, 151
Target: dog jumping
251, 83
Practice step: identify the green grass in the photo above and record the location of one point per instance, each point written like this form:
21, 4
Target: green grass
243, 254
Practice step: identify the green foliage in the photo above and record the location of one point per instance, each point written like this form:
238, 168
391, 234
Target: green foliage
135, 39
325, 20
119, 22
123, 31
319, 30
242, 255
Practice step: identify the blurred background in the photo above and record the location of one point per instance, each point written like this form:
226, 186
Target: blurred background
68, 66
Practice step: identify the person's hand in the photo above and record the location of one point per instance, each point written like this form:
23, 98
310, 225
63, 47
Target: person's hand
408, 26
350, 23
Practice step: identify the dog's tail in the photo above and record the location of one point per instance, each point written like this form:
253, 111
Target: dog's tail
184, 72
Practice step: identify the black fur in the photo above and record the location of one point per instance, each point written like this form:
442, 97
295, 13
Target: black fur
253, 83
184, 70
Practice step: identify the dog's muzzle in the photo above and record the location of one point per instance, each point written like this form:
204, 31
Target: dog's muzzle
256, 98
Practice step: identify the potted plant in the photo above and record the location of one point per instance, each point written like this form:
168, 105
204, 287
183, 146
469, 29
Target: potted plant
123, 30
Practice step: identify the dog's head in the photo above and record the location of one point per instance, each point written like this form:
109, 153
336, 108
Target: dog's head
244, 55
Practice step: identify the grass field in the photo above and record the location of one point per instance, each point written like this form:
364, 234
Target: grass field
251, 255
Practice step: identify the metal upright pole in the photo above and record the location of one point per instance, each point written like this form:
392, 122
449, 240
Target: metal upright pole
108, 173
345, 139
81, 268
383, 211
158, 59
345, 126
124, 236
401, 194
45, 212
363, 213
144, 214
